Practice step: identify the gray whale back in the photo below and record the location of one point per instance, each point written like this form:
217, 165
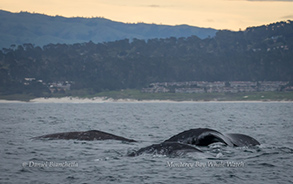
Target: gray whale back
90, 135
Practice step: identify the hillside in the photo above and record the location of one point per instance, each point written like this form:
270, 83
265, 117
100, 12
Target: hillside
261, 53
38, 29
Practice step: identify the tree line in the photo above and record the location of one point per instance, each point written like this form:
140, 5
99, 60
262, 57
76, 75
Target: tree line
257, 54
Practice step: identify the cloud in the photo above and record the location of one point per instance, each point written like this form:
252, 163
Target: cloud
154, 6
210, 20
287, 17
159, 6
265, 0
272, 0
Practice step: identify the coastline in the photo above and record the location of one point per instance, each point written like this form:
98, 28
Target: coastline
111, 100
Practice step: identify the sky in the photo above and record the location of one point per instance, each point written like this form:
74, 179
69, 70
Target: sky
218, 14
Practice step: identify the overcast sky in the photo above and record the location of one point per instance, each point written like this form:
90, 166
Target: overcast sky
219, 14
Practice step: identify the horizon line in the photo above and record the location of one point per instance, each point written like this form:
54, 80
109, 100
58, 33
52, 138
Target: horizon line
102, 17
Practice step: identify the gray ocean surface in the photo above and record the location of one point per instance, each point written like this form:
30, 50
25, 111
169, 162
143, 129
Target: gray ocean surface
26, 160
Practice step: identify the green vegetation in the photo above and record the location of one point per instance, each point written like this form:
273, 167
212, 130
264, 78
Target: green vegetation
18, 97
257, 54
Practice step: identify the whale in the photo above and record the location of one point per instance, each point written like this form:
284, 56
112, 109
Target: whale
186, 141
166, 148
206, 136
179, 144
90, 135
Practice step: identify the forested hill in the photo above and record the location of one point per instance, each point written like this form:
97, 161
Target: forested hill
262, 53
38, 29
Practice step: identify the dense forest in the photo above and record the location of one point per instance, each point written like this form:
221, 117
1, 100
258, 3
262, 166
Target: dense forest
262, 53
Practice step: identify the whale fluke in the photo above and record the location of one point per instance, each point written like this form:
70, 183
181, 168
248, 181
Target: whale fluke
90, 135
166, 148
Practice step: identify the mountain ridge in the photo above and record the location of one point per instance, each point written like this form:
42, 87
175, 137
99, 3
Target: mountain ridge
41, 29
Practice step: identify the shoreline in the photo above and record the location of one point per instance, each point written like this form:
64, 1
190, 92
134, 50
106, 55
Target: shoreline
111, 100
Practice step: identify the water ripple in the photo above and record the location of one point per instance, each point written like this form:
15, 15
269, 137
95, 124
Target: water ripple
106, 161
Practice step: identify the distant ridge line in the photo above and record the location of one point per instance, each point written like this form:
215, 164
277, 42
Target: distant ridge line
41, 29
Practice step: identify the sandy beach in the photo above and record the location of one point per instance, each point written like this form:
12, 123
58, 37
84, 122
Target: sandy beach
91, 100
110, 100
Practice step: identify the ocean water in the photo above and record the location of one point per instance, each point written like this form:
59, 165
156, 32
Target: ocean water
26, 160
